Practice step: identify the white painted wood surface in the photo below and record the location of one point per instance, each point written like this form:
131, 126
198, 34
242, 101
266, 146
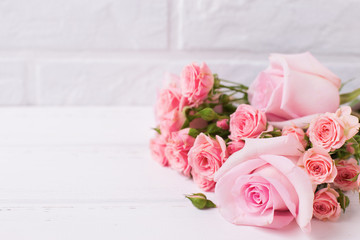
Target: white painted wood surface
86, 173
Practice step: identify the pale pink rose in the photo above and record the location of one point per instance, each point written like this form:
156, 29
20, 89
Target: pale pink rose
196, 83
327, 131
235, 146
347, 169
223, 124
319, 165
207, 155
246, 122
176, 151
262, 186
294, 86
157, 149
326, 206
351, 123
298, 133
203, 183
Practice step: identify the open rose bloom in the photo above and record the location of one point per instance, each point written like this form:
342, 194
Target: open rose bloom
262, 186
282, 150
289, 87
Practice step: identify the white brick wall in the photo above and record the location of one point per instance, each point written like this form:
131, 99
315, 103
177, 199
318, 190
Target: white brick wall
114, 52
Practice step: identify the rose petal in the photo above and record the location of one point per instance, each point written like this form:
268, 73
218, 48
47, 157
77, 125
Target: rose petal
302, 185
284, 145
302, 122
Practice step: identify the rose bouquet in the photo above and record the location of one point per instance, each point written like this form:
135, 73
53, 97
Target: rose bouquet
279, 150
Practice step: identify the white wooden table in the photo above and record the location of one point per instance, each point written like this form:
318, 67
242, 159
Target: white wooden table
86, 173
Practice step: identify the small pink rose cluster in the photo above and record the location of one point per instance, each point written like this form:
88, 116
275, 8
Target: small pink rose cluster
278, 151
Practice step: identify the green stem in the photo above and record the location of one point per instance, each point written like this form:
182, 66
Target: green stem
232, 88
348, 97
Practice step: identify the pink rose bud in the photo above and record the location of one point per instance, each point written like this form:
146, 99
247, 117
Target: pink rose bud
350, 148
348, 171
235, 146
326, 206
157, 149
198, 123
200, 201
176, 151
223, 124
319, 165
206, 157
246, 122
293, 86
196, 83
218, 109
298, 133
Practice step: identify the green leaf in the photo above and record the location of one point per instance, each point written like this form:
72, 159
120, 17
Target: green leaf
193, 132
348, 97
186, 124
344, 83
343, 200
208, 114
214, 130
321, 186
224, 99
157, 130
354, 178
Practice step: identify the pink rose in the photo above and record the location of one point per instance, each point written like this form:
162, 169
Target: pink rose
351, 123
207, 155
262, 186
326, 206
157, 148
172, 122
167, 101
196, 83
235, 146
350, 148
246, 122
298, 133
294, 86
203, 183
347, 169
167, 109
223, 124
331, 130
319, 165
176, 151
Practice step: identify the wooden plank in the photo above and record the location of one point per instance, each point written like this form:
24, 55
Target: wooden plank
86, 173
149, 221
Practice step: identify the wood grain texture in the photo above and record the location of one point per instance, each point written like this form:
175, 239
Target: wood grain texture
86, 173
